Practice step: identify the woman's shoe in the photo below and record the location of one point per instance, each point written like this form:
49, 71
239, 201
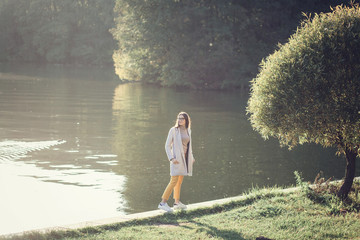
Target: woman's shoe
165, 207
180, 205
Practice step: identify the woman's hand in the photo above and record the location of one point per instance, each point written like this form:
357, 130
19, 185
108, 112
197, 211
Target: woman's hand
175, 161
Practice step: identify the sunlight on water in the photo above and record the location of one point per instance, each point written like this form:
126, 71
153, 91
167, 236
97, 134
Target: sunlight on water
33, 197
12, 150
78, 146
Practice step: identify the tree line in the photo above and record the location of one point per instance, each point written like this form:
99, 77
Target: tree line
200, 44
211, 44
53, 31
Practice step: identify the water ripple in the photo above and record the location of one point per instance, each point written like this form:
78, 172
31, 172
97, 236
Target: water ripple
14, 150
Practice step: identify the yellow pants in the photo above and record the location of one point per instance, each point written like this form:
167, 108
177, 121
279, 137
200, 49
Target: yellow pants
174, 184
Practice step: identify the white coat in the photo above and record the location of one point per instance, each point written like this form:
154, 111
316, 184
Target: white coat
174, 149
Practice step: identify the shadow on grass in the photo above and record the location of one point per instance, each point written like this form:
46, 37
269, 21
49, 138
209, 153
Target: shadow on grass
215, 232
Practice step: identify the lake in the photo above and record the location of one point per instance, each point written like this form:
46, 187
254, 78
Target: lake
77, 145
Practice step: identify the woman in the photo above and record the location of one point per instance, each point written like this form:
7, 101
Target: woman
179, 152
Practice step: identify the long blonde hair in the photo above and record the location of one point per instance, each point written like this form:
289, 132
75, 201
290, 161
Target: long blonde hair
187, 119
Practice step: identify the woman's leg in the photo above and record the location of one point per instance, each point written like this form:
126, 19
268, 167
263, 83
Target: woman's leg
177, 189
173, 182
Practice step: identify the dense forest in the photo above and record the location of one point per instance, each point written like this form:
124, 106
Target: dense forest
57, 31
212, 44
200, 44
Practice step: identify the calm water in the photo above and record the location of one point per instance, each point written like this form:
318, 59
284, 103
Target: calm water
75, 145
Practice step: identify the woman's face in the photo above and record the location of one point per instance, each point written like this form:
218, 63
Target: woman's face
181, 120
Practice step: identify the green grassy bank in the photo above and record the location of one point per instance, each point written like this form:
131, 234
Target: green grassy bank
306, 213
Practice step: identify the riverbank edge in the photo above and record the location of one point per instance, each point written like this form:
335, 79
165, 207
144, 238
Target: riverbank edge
202, 207
139, 216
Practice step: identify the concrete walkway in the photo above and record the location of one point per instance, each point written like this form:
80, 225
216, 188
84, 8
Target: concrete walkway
130, 217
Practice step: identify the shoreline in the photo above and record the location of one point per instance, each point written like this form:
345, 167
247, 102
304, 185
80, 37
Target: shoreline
134, 216
285, 212
207, 208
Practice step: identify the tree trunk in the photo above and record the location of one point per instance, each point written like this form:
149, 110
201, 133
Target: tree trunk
349, 174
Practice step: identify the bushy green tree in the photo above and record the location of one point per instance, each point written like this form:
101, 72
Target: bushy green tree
309, 89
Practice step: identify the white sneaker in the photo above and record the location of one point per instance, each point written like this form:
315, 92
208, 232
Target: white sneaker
180, 205
165, 207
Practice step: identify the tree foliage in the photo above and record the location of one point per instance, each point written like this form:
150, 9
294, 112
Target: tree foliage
308, 90
66, 31
201, 44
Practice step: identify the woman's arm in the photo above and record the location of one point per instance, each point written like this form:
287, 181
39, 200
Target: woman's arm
169, 143
189, 131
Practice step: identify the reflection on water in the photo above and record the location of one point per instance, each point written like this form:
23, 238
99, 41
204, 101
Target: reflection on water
35, 198
230, 156
45, 182
111, 158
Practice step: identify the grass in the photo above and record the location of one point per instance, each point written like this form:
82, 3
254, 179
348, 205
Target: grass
311, 212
